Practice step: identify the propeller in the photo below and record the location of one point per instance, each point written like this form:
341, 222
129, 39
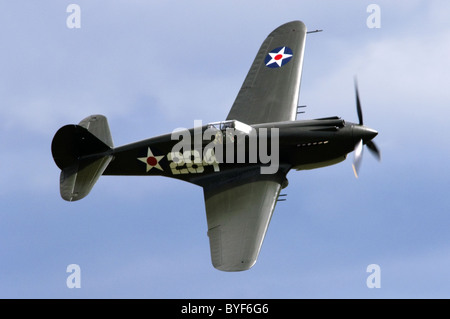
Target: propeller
358, 104
358, 157
364, 132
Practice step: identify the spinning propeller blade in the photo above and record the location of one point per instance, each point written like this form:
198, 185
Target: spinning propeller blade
374, 149
358, 157
359, 146
358, 104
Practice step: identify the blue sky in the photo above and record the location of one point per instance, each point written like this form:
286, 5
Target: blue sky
151, 67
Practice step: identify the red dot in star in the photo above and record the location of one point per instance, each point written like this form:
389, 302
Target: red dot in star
152, 161
278, 57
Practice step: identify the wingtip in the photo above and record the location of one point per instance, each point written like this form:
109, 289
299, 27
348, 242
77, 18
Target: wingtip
242, 266
295, 25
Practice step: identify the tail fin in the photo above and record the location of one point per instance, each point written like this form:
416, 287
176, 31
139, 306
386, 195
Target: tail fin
82, 152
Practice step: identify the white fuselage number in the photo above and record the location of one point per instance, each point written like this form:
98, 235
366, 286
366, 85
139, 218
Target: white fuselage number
190, 162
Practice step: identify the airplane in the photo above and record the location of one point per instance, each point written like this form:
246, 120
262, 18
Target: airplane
229, 159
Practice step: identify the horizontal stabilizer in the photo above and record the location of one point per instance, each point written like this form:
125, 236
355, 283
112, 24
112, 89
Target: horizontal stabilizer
77, 181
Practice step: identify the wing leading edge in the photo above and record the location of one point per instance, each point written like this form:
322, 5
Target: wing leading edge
271, 89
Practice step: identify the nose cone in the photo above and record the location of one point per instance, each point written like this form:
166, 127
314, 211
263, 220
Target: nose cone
361, 132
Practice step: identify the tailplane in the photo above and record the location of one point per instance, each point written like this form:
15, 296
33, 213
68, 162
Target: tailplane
82, 152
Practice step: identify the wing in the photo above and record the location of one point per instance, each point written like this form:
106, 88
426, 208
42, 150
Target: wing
238, 216
271, 89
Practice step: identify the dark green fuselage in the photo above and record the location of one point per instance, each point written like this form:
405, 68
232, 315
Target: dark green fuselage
306, 144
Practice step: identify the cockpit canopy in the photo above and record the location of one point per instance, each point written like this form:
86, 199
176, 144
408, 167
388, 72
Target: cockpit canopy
235, 125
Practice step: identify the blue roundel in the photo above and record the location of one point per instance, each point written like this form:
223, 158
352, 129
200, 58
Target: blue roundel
278, 57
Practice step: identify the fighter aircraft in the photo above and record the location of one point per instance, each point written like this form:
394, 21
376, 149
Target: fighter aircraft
230, 160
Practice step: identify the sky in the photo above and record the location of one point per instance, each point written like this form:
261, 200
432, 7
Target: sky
153, 66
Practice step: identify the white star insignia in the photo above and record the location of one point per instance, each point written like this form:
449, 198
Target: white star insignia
278, 57
151, 160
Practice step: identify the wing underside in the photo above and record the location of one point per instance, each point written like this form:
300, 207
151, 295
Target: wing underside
271, 89
238, 217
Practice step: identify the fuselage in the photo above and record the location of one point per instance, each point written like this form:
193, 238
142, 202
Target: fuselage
198, 153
